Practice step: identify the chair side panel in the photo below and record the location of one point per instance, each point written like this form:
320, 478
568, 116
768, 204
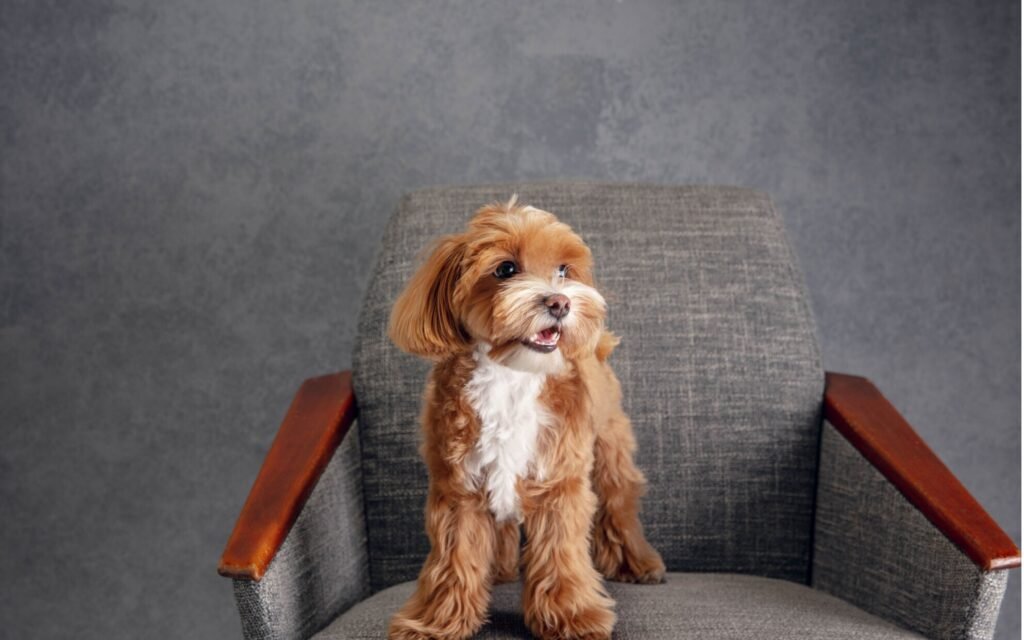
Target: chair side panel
321, 569
875, 549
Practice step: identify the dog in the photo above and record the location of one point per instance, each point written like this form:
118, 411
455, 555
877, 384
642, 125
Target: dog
523, 426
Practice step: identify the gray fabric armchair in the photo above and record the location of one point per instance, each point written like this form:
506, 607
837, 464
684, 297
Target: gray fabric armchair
786, 502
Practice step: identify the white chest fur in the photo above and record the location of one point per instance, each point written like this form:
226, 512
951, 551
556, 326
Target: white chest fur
507, 403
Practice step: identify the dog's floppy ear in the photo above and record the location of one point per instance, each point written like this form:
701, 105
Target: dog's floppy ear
423, 321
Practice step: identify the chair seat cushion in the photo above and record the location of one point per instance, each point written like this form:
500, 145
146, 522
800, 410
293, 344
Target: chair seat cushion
688, 605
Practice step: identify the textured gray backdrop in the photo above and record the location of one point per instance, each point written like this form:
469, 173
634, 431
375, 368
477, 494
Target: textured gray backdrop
191, 193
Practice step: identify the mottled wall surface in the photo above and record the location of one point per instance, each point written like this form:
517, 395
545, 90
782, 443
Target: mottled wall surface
191, 193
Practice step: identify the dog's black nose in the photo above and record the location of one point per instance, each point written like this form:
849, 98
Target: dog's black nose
558, 305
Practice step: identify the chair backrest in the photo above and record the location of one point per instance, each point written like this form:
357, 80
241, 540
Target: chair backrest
719, 366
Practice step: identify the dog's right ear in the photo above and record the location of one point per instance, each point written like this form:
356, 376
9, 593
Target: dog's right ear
423, 321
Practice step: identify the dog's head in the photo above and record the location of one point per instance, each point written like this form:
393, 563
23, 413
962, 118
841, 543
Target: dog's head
517, 283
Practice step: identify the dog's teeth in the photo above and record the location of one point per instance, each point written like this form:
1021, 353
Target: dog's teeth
547, 338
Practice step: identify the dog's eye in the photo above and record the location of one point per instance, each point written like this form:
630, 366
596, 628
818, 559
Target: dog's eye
563, 271
505, 270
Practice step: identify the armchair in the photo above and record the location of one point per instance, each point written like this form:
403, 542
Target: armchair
786, 502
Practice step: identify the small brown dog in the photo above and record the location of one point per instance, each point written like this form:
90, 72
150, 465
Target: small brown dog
523, 424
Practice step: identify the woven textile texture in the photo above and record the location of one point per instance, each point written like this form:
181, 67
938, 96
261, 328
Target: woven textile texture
321, 569
705, 606
719, 366
874, 549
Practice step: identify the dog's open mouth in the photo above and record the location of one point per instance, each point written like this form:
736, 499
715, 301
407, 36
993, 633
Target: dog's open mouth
544, 341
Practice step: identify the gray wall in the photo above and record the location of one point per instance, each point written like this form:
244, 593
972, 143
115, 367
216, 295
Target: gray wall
191, 193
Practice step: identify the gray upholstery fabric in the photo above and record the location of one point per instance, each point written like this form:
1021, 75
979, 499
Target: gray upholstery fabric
705, 606
722, 378
321, 569
719, 367
874, 549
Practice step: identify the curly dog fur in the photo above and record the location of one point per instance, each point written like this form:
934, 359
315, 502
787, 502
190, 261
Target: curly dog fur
523, 426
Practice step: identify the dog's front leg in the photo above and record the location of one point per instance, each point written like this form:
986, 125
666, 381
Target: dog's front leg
453, 590
563, 596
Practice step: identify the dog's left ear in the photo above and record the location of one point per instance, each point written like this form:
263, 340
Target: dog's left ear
423, 320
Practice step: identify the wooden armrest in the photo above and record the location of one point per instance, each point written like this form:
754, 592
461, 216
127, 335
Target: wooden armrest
860, 412
319, 417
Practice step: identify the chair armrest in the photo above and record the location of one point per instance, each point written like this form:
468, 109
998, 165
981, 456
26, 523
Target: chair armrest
859, 411
320, 415
895, 533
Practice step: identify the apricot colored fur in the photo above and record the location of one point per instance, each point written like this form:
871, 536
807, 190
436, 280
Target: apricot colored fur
580, 515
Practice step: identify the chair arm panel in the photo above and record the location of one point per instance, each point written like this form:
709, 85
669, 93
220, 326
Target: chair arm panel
320, 415
322, 567
895, 533
859, 411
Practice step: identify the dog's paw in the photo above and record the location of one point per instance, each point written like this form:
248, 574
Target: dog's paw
505, 569
594, 623
584, 614
628, 574
620, 564
402, 628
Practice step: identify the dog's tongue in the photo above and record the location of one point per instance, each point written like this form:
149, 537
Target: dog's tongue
547, 334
